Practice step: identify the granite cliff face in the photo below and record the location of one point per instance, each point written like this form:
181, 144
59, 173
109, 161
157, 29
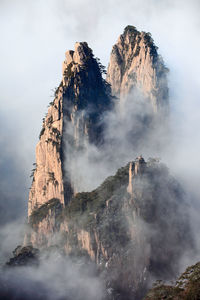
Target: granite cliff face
48, 175
73, 120
135, 63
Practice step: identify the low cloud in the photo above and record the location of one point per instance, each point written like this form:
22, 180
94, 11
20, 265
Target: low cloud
56, 278
131, 128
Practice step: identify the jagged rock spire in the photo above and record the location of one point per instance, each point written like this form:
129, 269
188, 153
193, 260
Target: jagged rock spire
135, 63
72, 120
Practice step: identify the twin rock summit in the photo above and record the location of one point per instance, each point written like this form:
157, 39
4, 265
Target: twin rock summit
134, 226
75, 117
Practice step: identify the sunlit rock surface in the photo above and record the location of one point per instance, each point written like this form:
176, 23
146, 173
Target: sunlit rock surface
135, 63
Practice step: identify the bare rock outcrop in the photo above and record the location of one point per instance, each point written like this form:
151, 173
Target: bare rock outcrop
48, 175
135, 64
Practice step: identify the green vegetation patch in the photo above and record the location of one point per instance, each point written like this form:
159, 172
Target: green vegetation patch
40, 213
161, 292
190, 282
84, 206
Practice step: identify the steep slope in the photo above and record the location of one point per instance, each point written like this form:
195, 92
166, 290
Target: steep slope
186, 287
135, 64
135, 227
72, 121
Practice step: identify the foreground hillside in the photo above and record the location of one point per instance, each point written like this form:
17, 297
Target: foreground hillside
134, 227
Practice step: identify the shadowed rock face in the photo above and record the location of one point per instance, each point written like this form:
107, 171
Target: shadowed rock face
135, 63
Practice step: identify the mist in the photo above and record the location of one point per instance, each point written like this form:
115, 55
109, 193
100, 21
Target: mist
34, 38
131, 128
56, 278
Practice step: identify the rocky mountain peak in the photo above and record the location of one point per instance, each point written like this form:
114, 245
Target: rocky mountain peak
72, 121
129, 35
79, 54
135, 64
82, 53
79, 57
82, 77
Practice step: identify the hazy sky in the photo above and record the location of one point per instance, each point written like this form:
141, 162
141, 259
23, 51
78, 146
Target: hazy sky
34, 37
